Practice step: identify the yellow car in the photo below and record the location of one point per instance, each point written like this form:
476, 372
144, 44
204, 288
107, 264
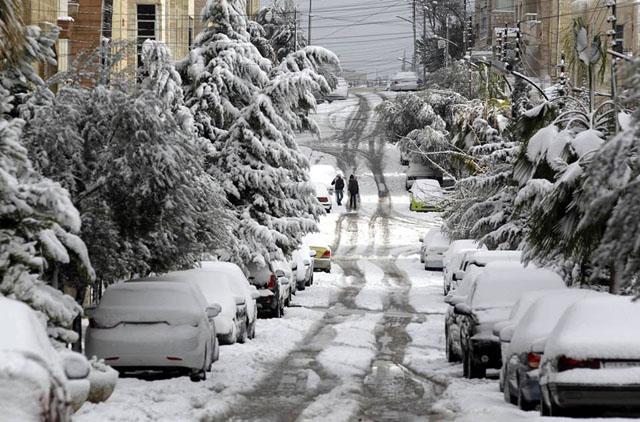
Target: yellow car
426, 196
322, 258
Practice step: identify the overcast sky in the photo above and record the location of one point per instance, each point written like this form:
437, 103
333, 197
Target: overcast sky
365, 34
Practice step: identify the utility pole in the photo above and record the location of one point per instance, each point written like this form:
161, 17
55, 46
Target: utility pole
446, 48
415, 38
613, 43
309, 35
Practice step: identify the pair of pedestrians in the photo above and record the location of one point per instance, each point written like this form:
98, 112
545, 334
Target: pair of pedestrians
353, 188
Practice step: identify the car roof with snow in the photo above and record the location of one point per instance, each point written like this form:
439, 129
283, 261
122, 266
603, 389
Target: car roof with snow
22, 331
483, 257
321, 189
542, 315
215, 286
502, 285
436, 235
404, 75
601, 327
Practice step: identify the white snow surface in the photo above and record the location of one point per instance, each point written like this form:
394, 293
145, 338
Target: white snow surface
372, 296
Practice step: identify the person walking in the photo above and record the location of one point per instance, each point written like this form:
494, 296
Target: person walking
354, 192
338, 184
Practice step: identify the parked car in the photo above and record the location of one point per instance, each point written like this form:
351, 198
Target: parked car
493, 294
148, 325
435, 243
323, 196
241, 287
591, 359
285, 272
526, 342
303, 256
231, 322
341, 91
480, 258
273, 293
404, 81
453, 348
36, 382
453, 257
429, 237
420, 171
426, 196
322, 259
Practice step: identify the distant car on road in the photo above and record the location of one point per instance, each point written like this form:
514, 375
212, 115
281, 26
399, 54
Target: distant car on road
323, 196
420, 171
341, 92
322, 260
323, 174
404, 81
154, 325
426, 196
435, 244
303, 256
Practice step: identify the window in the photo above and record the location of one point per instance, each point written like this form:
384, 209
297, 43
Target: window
190, 31
619, 47
146, 26
107, 18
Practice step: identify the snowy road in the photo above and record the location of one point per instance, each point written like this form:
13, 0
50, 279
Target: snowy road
364, 343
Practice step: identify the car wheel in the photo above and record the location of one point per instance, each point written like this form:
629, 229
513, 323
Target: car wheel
474, 370
244, 333
198, 375
328, 270
451, 355
506, 391
277, 313
465, 364
252, 330
216, 350
523, 403
544, 409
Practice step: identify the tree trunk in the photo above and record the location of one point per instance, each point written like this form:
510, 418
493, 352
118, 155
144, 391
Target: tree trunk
77, 323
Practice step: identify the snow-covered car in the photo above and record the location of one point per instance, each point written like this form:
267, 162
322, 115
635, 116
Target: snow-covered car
453, 256
493, 294
341, 91
240, 286
322, 259
420, 171
36, 382
232, 321
453, 349
324, 174
426, 195
480, 258
591, 361
526, 342
436, 244
404, 81
285, 271
273, 293
303, 256
428, 238
323, 196
149, 325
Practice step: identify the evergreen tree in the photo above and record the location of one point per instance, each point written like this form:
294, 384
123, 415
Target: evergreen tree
280, 28
38, 221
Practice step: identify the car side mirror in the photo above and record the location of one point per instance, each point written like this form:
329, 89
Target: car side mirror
462, 309
421, 240
306, 262
213, 310
280, 273
313, 254
294, 266
75, 365
90, 311
458, 275
506, 334
240, 300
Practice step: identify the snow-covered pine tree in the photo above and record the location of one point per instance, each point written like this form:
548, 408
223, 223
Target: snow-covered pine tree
248, 110
278, 21
39, 221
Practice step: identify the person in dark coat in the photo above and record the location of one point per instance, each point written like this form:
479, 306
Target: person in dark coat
354, 191
338, 184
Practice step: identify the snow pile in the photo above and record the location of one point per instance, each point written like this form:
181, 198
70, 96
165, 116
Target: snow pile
103, 379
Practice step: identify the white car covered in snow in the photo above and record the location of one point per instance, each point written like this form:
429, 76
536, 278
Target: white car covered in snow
232, 321
324, 174
426, 196
494, 292
303, 256
453, 257
404, 81
37, 383
240, 286
480, 258
434, 245
526, 341
591, 360
341, 91
149, 325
